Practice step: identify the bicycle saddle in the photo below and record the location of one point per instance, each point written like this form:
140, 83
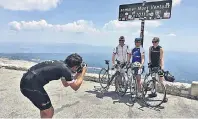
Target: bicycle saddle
106, 61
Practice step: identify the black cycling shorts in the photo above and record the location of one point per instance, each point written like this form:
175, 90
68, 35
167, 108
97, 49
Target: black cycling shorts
31, 89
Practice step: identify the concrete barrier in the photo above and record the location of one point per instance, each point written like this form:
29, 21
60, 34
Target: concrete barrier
178, 89
194, 89
173, 88
91, 77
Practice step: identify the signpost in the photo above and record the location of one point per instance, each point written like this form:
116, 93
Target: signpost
145, 11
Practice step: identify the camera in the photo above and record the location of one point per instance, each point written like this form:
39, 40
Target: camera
79, 69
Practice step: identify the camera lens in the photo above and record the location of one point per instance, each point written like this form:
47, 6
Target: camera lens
83, 64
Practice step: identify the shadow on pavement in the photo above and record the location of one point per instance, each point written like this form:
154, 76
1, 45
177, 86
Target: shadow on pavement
126, 99
64, 106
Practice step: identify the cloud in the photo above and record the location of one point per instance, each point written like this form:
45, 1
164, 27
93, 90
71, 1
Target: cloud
176, 2
171, 34
28, 5
80, 26
120, 25
80, 31
85, 32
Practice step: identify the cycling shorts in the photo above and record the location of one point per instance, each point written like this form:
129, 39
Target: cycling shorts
31, 89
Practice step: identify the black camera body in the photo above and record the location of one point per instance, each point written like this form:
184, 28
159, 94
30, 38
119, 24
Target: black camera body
79, 69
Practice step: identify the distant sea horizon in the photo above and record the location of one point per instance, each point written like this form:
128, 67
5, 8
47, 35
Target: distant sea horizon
182, 65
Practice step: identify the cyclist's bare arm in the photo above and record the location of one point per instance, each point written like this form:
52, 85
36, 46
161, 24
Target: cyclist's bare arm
75, 85
129, 55
142, 58
113, 58
162, 58
64, 82
150, 53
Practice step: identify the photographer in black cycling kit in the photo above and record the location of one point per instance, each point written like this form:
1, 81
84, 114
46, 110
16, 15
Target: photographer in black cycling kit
156, 59
37, 76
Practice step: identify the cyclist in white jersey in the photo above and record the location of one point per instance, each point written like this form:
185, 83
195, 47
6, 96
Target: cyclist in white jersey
121, 52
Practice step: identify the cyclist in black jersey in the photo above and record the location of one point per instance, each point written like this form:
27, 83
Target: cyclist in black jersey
156, 59
156, 54
37, 76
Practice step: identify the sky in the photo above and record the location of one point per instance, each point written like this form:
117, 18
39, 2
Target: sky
95, 22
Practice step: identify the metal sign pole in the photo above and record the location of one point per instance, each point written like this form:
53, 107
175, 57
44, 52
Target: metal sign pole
142, 26
142, 31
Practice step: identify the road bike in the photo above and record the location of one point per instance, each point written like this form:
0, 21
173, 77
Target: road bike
132, 71
154, 85
106, 79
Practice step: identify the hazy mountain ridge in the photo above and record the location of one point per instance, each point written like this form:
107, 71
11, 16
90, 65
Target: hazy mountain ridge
18, 47
52, 48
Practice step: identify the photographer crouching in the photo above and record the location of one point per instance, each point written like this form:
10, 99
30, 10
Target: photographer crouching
33, 81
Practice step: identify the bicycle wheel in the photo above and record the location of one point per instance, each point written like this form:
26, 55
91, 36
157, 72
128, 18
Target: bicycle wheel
120, 84
133, 87
130, 78
104, 78
157, 90
132, 83
144, 84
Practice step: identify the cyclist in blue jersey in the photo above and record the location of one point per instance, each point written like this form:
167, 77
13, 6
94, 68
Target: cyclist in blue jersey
137, 55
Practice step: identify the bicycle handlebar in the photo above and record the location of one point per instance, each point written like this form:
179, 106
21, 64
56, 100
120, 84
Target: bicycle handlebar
119, 64
155, 69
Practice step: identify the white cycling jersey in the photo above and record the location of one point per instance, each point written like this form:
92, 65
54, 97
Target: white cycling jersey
121, 52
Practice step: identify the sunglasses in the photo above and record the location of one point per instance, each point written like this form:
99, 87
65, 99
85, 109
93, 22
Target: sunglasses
154, 41
138, 42
121, 40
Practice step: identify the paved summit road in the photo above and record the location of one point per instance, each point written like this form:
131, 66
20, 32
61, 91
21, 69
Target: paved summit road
84, 103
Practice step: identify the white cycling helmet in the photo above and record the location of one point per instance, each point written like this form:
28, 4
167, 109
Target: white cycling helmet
136, 64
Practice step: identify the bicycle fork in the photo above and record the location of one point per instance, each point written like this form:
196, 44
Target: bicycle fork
110, 80
153, 88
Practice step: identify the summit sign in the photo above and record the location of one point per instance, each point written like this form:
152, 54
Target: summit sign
145, 10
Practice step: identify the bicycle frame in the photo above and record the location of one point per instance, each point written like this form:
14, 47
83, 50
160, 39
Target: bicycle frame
118, 66
154, 75
154, 72
134, 72
108, 71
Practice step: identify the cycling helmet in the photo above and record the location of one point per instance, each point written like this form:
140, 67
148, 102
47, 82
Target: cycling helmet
156, 39
121, 38
136, 64
138, 39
